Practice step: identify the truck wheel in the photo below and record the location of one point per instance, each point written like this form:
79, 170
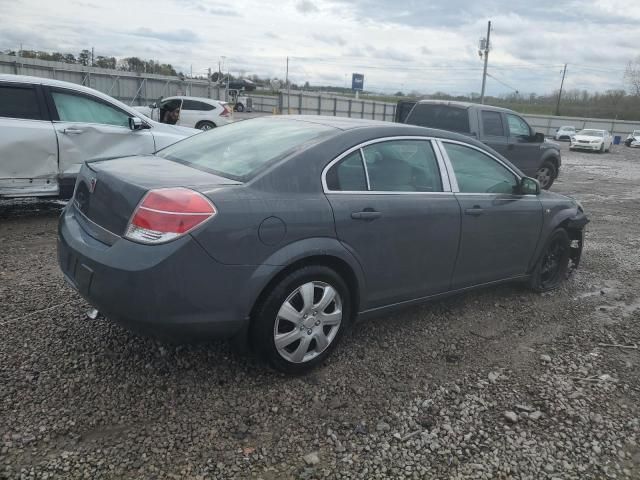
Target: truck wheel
546, 174
239, 107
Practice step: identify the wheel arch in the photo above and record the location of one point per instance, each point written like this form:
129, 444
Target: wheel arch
205, 121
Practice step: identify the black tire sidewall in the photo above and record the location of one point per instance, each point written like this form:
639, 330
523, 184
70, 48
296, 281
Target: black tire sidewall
263, 319
239, 107
553, 170
206, 122
535, 282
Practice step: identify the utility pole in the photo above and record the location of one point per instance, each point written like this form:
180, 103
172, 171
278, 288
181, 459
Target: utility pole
92, 57
564, 72
486, 60
286, 80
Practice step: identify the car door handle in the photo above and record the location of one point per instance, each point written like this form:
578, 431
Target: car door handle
72, 131
476, 210
366, 215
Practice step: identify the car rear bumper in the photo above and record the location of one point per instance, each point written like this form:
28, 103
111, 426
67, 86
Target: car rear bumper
174, 291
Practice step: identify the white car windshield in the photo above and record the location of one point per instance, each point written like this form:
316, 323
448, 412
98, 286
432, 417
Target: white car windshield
591, 133
572, 129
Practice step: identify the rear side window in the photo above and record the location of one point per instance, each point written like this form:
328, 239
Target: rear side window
402, 166
19, 102
198, 106
348, 175
240, 150
82, 109
444, 117
492, 124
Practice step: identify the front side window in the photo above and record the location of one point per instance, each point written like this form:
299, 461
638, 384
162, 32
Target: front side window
492, 123
82, 109
402, 166
477, 172
19, 102
517, 126
348, 175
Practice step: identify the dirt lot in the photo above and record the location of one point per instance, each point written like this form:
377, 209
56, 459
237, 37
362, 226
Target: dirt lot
500, 383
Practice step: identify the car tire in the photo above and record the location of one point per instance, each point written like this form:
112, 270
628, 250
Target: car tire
546, 174
552, 266
293, 345
206, 125
239, 107
601, 148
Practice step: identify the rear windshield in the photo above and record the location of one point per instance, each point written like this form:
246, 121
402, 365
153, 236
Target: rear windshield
240, 150
443, 117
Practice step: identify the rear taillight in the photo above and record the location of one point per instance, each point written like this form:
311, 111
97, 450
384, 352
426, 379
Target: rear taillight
168, 213
225, 112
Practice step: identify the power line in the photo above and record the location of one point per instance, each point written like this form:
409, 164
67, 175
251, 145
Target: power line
503, 83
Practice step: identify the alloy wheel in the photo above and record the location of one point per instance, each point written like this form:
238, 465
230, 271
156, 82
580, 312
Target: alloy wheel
552, 263
307, 322
544, 176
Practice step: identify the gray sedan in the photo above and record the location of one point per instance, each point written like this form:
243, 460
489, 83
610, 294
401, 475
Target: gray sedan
283, 230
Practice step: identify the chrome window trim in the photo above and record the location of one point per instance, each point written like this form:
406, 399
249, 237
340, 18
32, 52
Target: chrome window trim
452, 174
444, 178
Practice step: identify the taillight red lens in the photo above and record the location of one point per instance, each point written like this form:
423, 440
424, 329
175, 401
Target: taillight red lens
168, 213
225, 112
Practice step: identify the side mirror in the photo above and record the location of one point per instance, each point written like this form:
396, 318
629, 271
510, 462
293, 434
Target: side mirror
135, 123
538, 137
153, 105
529, 186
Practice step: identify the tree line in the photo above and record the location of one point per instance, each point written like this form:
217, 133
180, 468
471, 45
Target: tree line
86, 58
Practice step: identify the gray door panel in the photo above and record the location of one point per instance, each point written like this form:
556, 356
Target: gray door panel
522, 151
499, 235
406, 243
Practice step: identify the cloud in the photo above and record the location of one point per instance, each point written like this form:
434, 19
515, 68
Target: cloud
179, 36
306, 6
330, 39
223, 12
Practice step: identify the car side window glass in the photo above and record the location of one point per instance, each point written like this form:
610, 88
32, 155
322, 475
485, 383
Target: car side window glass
402, 166
492, 123
348, 175
82, 109
477, 172
19, 102
517, 126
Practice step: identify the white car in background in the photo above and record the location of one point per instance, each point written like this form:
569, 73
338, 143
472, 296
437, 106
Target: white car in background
565, 133
49, 128
194, 112
591, 139
633, 139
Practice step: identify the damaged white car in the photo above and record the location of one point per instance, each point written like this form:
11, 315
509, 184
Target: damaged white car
49, 128
633, 140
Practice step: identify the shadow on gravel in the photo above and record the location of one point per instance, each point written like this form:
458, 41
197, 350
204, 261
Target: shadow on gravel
30, 207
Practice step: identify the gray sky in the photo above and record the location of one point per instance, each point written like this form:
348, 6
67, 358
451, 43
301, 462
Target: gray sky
398, 45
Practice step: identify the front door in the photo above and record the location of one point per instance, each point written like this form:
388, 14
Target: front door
392, 212
88, 127
522, 150
500, 228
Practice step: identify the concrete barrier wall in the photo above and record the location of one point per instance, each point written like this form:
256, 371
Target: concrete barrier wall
548, 124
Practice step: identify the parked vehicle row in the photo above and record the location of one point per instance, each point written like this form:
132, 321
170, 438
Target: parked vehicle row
284, 238
503, 130
633, 140
48, 129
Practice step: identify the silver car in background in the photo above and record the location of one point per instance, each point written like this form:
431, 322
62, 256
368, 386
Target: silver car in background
49, 128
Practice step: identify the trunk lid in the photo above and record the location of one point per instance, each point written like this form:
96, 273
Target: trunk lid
108, 191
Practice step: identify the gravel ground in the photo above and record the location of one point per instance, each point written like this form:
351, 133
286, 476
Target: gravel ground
500, 383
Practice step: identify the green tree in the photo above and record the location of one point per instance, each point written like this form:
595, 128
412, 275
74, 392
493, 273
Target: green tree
84, 57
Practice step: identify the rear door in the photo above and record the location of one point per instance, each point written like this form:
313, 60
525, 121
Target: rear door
394, 210
28, 147
89, 127
500, 228
193, 112
522, 150
493, 131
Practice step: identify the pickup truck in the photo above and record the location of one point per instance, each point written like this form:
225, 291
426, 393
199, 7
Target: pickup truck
503, 130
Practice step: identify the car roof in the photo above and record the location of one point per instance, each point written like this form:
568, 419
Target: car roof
197, 99
465, 105
50, 82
